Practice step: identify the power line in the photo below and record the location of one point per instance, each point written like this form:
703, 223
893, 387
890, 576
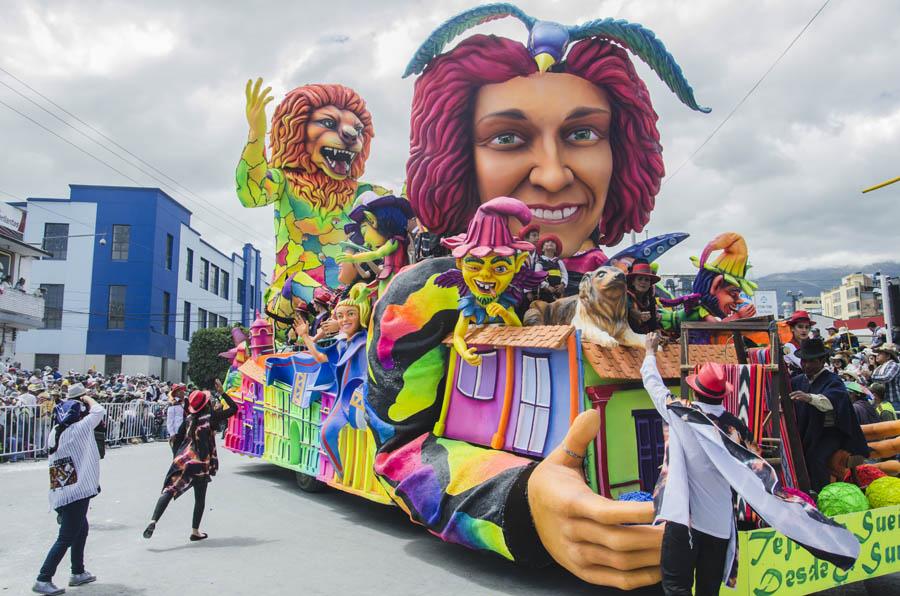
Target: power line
746, 95
64, 139
201, 199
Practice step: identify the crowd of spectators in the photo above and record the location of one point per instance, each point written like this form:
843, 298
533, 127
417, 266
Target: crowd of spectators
27, 399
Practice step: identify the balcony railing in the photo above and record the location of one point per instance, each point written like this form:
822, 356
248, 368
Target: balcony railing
21, 310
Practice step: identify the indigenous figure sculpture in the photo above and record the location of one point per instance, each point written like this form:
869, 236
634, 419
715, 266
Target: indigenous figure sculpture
319, 143
490, 273
380, 227
576, 142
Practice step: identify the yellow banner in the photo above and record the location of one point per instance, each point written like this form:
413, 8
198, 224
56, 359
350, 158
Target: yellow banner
771, 563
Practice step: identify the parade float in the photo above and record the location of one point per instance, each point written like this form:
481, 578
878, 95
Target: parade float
438, 395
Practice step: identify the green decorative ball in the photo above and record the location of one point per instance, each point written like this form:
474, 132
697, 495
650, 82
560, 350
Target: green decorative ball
841, 497
884, 492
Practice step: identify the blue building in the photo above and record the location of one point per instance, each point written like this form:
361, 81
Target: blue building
128, 281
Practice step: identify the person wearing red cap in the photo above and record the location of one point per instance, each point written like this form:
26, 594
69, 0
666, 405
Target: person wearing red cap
195, 461
801, 325
643, 317
695, 499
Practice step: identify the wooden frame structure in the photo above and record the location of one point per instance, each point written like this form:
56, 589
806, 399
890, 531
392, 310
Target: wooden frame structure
779, 401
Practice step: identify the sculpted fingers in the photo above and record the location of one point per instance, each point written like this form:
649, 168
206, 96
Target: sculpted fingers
618, 538
623, 580
590, 555
606, 511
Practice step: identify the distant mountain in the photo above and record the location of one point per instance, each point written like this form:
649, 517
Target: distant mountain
814, 281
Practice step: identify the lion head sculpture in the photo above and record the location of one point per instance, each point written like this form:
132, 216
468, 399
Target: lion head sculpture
320, 138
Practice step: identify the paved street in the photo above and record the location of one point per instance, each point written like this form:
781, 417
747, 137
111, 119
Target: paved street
266, 537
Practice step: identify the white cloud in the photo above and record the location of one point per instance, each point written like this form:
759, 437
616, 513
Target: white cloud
166, 79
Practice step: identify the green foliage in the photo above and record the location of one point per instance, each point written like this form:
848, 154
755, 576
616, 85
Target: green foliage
204, 362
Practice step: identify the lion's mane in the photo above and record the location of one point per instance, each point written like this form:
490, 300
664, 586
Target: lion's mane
287, 140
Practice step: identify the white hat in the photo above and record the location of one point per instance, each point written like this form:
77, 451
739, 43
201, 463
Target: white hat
76, 390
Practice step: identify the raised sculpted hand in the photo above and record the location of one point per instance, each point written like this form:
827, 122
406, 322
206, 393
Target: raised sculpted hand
583, 531
256, 108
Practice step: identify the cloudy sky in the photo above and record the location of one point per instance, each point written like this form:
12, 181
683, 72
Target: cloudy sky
165, 81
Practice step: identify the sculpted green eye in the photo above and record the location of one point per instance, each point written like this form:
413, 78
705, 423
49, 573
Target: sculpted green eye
583, 134
328, 122
507, 139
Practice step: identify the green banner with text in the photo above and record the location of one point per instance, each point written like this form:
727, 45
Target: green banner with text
770, 563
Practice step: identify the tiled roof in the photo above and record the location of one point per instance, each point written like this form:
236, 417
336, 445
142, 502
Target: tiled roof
552, 337
255, 368
621, 363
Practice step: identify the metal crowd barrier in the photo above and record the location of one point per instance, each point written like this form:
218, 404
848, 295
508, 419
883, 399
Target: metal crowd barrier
25, 430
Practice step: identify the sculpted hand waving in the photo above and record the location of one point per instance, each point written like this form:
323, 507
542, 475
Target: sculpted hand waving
256, 108
583, 531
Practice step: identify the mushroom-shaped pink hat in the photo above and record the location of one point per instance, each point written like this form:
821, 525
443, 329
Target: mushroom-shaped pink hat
489, 230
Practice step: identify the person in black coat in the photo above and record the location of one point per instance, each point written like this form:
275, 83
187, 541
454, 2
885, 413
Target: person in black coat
825, 418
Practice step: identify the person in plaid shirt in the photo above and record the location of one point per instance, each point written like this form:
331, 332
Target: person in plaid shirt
888, 372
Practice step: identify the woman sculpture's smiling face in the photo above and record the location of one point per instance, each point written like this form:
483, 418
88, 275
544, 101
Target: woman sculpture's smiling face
544, 139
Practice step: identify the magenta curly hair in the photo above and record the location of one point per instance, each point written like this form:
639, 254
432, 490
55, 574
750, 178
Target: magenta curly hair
440, 171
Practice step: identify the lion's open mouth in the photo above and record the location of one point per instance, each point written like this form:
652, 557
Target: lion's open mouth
338, 160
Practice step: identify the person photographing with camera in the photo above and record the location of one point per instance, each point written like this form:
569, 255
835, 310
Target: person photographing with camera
74, 461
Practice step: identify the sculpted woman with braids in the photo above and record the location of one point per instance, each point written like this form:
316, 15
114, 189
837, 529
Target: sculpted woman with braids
574, 138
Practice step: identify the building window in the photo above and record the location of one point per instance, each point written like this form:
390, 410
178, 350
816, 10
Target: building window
42, 360
252, 296
56, 241
534, 409
186, 329
116, 317
201, 314
478, 382
112, 364
170, 247
204, 273
120, 241
167, 299
240, 291
189, 266
226, 280
6, 266
223, 322
53, 305
214, 281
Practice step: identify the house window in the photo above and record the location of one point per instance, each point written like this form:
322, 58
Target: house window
112, 364
170, 247
186, 329
478, 382
534, 407
214, 281
204, 273
189, 266
53, 305
167, 299
56, 241
42, 360
201, 314
121, 239
226, 280
116, 310
240, 291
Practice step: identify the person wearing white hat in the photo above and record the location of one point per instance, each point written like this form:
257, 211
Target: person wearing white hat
888, 372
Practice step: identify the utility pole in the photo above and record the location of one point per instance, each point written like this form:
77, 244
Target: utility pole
886, 306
